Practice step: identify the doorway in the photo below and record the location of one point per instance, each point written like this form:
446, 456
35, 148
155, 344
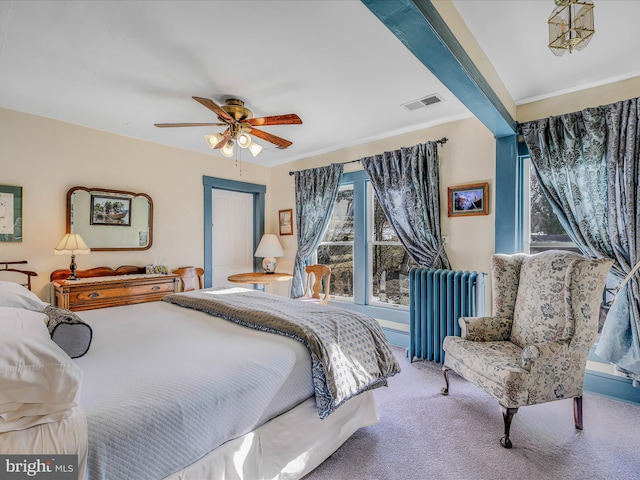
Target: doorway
233, 226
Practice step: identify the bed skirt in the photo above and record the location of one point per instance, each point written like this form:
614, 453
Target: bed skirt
275, 450
65, 437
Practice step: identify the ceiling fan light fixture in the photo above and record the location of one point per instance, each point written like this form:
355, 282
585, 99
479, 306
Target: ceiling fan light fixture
570, 26
213, 140
255, 149
243, 140
227, 150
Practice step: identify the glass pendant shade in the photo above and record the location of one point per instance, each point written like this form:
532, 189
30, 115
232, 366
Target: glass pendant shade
213, 140
227, 150
571, 26
244, 140
255, 149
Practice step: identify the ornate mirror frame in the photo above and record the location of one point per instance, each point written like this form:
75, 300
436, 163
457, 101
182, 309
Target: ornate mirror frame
130, 233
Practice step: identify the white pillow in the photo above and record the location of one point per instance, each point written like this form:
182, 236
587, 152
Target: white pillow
15, 295
39, 381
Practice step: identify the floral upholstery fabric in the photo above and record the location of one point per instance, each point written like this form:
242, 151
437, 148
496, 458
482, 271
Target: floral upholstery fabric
540, 313
544, 357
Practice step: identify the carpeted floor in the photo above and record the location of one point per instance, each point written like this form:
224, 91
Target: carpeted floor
423, 435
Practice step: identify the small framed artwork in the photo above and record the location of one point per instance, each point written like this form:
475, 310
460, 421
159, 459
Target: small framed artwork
471, 199
286, 222
110, 210
10, 213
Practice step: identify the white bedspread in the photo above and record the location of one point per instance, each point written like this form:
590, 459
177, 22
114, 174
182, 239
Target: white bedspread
162, 378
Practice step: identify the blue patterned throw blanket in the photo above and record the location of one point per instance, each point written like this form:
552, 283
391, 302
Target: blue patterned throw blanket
349, 352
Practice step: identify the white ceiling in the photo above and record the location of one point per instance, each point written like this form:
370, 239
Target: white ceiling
121, 66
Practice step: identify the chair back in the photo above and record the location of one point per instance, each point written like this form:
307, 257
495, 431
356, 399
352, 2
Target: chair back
191, 277
313, 290
546, 305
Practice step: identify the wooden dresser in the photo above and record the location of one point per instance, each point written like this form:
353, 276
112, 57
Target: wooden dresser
112, 290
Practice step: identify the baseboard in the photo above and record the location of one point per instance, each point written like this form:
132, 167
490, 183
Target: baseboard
611, 386
399, 338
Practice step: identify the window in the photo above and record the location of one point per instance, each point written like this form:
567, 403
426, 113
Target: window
542, 229
359, 234
336, 247
389, 261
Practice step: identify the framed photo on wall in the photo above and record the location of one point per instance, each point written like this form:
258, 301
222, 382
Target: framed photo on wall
10, 213
470, 199
110, 210
285, 218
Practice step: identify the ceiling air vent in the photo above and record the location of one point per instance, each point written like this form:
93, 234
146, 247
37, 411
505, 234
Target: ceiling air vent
423, 102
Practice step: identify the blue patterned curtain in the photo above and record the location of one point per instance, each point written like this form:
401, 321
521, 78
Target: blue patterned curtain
407, 186
587, 164
316, 191
619, 341
567, 152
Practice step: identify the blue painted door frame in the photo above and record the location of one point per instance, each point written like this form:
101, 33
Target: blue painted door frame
258, 192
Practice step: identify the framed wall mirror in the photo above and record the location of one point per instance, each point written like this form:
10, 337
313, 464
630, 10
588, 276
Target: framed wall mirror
110, 219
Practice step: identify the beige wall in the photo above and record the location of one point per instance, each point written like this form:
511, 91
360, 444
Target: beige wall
47, 157
572, 102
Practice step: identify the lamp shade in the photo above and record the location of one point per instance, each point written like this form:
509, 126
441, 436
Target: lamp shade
243, 140
269, 246
227, 150
255, 149
213, 140
72, 243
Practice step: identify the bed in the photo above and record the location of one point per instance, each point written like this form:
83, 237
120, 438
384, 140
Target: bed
173, 392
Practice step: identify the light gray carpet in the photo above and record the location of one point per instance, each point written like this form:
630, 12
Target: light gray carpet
423, 435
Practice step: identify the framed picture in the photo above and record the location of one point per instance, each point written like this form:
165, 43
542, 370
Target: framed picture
10, 214
286, 223
110, 210
471, 199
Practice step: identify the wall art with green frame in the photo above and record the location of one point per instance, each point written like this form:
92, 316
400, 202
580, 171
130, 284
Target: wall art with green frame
10, 213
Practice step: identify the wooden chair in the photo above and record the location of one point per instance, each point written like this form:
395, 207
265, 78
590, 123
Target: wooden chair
190, 277
28, 273
312, 293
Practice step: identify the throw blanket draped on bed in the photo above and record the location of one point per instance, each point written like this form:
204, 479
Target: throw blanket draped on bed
349, 351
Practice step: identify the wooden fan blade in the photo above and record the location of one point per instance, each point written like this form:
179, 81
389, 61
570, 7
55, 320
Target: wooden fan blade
226, 136
279, 142
166, 125
211, 105
288, 119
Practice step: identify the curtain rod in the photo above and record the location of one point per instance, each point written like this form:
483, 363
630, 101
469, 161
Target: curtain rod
442, 141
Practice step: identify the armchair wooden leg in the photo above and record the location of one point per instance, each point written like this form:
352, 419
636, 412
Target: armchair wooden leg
445, 372
577, 412
507, 415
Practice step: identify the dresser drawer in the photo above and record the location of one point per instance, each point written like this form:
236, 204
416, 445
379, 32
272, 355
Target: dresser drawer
86, 294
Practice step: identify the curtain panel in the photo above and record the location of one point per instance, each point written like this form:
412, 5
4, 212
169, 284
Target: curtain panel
316, 191
619, 340
587, 163
407, 185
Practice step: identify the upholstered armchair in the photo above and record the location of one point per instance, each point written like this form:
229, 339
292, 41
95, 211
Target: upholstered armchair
534, 349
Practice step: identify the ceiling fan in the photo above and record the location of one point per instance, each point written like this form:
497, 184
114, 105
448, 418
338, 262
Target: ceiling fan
240, 124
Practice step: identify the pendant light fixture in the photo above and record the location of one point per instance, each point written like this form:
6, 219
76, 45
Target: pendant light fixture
570, 26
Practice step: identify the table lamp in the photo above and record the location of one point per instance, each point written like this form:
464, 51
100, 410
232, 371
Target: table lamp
269, 248
72, 243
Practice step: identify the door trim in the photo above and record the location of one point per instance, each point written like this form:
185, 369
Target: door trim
258, 192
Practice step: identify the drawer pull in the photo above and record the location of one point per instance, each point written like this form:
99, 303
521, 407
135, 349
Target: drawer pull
94, 295
157, 287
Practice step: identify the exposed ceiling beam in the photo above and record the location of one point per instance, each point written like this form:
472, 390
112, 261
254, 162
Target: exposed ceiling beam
419, 26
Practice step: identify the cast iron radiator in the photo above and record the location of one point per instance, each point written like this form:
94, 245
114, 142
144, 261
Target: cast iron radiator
437, 298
